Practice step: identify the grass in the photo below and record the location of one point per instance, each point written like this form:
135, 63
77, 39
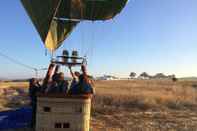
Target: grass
13, 84
146, 94
143, 105
129, 105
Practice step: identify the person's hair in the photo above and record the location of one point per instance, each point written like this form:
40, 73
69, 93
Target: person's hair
55, 77
60, 75
32, 81
77, 73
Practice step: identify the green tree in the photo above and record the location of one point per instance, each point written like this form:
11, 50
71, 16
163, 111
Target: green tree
132, 75
144, 75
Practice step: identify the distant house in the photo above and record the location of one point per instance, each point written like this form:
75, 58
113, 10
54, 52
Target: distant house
107, 77
143, 78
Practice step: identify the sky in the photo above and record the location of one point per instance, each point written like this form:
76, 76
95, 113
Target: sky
147, 36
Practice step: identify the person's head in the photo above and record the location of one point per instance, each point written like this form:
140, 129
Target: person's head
61, 76
33, 81
55, 77
77, 74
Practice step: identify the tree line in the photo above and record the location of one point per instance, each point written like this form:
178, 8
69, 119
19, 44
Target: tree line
145, 75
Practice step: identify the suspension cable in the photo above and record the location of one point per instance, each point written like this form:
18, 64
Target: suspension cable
16, 61
21, 64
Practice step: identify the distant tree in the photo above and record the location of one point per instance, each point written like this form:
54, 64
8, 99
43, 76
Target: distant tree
132, 75
144, 75
173, 77
160, 76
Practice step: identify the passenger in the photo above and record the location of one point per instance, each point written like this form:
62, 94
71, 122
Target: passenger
46, 81
75, 76
58, 84
52, 87
34, 88
83, 86
62, 83
75, 79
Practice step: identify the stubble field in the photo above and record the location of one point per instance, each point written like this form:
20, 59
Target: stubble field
129, 105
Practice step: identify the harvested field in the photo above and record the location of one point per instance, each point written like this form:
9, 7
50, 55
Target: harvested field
132, 105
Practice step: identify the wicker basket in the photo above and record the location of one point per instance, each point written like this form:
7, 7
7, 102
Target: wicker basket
66, 113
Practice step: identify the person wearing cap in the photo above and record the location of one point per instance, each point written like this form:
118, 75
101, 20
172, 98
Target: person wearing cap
34, 88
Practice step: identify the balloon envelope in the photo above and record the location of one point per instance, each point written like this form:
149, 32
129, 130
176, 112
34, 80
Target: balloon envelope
55, 19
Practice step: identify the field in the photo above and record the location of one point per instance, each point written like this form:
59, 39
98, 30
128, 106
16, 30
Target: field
130, 105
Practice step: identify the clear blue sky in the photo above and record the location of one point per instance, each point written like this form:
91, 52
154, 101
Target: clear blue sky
149, 35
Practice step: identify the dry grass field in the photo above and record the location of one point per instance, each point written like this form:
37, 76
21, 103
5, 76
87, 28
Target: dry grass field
145, 105
130, 105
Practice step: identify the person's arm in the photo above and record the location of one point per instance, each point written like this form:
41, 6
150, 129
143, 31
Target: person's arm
48, 76
84, 71
71, 72
57, 68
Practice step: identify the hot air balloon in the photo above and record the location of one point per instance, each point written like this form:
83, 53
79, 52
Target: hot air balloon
55, 19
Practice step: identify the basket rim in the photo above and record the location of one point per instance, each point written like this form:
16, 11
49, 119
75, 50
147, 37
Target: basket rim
63, 95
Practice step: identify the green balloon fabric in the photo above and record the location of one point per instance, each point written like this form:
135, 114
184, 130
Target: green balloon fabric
55, 19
